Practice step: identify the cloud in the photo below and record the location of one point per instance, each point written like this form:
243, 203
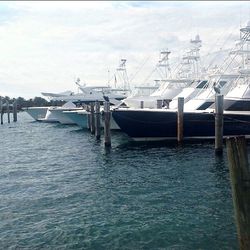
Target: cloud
47, 44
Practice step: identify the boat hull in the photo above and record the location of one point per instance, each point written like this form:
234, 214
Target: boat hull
61, 117
237, 104
49, 118
37, 112
81, 118
148, 125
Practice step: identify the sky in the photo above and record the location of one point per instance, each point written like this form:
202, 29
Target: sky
46, 45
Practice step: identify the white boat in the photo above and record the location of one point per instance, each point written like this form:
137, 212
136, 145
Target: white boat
238, 98
234, 84
188, 93
60, 116
188, 71
80, 117
89, 94
40, 113
205, 97
167, 91
93, 93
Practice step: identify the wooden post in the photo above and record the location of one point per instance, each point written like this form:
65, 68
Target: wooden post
15, 111
92, 118
8, 110
142, 104
107, 114
1, 109
88, 117
219, 124
180, 119
159, 104
240, 183
97, 120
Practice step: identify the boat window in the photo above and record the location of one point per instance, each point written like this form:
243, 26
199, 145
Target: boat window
205, 105
201, 85
222, 83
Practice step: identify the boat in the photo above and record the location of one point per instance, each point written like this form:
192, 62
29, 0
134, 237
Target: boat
73, 112
188, 71
188, 93
88, 94
80, 117
205, 96
198, 119
40, 113
238, 98
94, 93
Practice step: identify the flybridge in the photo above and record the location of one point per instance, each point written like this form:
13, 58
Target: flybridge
65, 93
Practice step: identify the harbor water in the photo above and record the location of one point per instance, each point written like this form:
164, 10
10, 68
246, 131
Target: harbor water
61, 189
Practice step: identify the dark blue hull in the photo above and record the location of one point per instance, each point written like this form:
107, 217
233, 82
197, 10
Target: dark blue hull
242, 105
162, 124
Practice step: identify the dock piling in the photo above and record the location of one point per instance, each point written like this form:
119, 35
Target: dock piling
240, 183
88, 117
92, 118
15, 111
159, 104
180, 119
1, 109
97, 120
219, 124
107, 117
8, 110
142, 104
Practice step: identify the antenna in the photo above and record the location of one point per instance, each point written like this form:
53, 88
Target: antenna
77, 82
122, 64
123, 74
115, 80
163, 63
108, 77
190, 65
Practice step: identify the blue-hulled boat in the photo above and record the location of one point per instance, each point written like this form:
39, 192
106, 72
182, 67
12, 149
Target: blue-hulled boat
199, 120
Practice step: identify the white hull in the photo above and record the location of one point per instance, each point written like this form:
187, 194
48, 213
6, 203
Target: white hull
113, 124
37, 112
49, 118
61, 117
78, 117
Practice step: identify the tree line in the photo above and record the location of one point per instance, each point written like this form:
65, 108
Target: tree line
32, 102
